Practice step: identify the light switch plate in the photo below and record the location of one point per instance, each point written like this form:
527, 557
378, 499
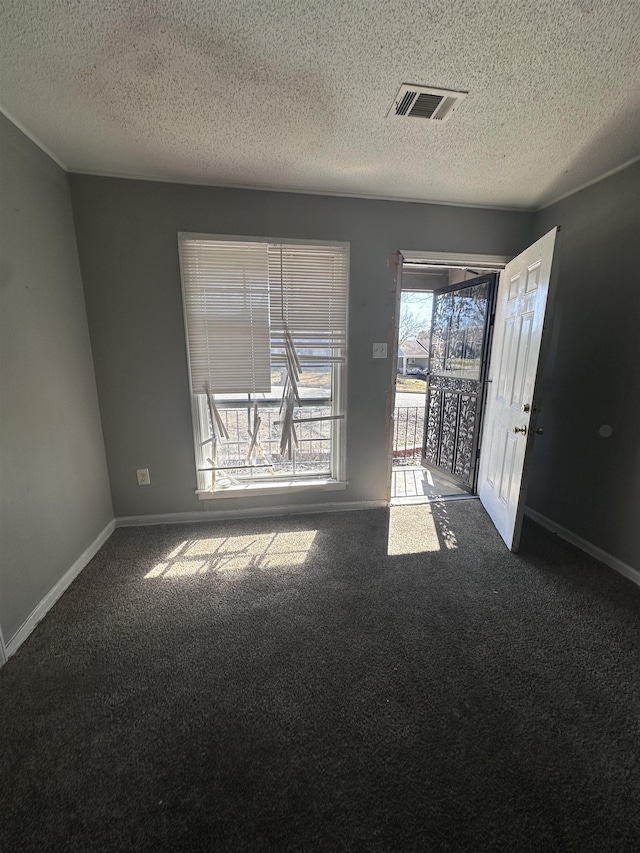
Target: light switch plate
379, 350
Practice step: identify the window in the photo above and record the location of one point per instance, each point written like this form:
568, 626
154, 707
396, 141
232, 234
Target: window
266, 327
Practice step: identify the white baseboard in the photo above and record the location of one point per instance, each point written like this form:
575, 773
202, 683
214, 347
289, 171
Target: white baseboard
255, 512
54, 594
586, 546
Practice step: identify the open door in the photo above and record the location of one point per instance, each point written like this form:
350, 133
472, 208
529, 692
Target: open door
457, 363
511, 409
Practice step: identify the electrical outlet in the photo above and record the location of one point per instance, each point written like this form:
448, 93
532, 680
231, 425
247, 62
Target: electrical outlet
143, 477
379, 350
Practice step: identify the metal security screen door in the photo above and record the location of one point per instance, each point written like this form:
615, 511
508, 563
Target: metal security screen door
457, 367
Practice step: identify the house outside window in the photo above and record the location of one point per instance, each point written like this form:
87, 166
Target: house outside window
266, 328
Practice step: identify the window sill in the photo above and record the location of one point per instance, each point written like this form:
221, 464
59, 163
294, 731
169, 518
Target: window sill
282, 487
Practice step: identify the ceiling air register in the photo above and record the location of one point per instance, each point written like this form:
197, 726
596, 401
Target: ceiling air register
426, 102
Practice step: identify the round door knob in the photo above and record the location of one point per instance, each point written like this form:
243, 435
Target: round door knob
523, 430
540, 431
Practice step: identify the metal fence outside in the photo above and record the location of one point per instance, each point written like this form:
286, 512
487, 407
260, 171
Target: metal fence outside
314, 440
312, 455
408, 431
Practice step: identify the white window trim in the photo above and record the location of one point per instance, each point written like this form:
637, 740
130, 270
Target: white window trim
338, 479
282, 487
488, 262
243, 238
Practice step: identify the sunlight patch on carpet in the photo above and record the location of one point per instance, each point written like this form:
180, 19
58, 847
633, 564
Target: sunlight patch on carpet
420, 529
230, 554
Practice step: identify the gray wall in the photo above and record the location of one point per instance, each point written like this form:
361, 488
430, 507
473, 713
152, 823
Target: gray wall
127, 238
589, 484
54, 488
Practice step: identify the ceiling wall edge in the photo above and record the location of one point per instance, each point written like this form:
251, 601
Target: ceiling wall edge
296, 191
32, 137
160, 179
590, 183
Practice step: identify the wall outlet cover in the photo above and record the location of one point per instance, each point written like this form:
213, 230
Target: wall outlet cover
143, 477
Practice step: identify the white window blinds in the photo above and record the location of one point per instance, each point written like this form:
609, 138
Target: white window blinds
308, 298
242, 300
226, 302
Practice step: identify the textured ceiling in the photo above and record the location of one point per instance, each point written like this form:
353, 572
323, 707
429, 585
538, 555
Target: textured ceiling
294, 94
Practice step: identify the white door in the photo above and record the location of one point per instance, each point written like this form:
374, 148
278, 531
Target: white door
510, 414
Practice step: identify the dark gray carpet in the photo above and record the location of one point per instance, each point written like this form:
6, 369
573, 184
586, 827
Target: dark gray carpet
289, 685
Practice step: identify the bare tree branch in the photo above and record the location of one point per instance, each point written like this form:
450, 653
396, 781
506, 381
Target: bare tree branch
412, 318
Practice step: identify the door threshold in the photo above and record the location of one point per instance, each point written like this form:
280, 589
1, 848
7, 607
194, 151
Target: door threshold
430, 499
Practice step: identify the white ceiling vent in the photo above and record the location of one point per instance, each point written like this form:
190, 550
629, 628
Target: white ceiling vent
426, 102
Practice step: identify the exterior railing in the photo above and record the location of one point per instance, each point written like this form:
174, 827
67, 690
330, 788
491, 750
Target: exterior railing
313, 452
408, 431
311, 455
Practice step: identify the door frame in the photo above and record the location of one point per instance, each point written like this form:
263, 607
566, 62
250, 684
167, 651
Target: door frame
395, 262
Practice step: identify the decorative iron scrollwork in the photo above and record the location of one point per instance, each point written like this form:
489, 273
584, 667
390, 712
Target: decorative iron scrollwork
433, 427
451, 421
466, 428
449, 383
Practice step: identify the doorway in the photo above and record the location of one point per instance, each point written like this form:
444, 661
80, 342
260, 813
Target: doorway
414, 334
444, 328
494, 381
